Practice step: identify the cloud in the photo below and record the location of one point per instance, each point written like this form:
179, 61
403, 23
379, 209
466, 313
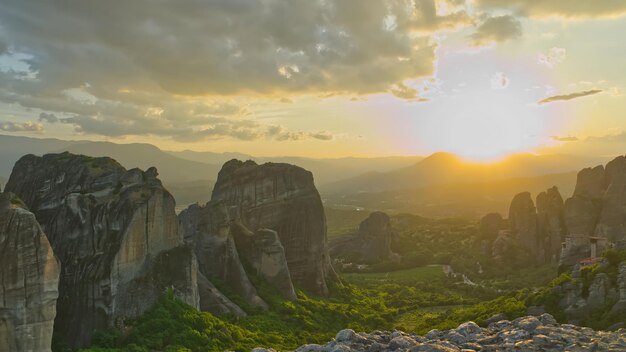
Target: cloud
565, 139
569, 96
425, 15
559, 8
497, 29
280, 133
499, 81
50, 118
4, 47
322, 135
405, 92
226, 47
553, 57
153, 71
28, 126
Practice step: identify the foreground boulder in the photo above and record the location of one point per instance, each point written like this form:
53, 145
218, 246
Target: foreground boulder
282, 198
370, 243
116, 235
523, 334
29, 273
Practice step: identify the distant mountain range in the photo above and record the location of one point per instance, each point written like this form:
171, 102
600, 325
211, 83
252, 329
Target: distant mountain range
190, 175
325, 170
187, 174
444, 168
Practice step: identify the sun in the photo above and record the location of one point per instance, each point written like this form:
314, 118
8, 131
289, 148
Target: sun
485, 126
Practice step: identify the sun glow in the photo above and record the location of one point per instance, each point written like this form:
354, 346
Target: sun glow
486, 126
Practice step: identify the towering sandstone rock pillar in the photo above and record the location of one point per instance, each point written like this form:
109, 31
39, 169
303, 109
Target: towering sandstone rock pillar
523, 222
29, 273
116, 235
283, 198
551, 222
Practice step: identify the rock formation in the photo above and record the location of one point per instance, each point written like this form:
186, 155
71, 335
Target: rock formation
502, 247
29, 273
490, 226
528, 333
209, 229
264, 251
115, 233
523, 223
620, 306
589, 295
371, 243
582, 210
551, 222
283, 198
538, 230
612, 221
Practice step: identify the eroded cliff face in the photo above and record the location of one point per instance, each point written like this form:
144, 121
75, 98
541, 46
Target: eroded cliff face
266, 254
551, 222
612, 221
282, 198
29, 273
208, 228
593, 295
582, 210
111, 229
538, 230
523, 222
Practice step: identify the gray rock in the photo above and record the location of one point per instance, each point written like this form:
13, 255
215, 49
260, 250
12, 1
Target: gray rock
490, 226
214, 301
524, 334
535, 311
496, 318
612, 221
527, 323
210, 234
283, 198
110, 228
370, 243
264, 251
29, 272
547, 319
468, 329
345, 335
401, 342
523, 224
551, 222
503, 246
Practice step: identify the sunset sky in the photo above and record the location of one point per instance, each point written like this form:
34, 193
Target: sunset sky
482, 78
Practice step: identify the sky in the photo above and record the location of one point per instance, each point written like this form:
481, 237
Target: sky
319, 78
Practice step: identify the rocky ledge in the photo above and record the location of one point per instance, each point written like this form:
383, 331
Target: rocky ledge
530, 333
